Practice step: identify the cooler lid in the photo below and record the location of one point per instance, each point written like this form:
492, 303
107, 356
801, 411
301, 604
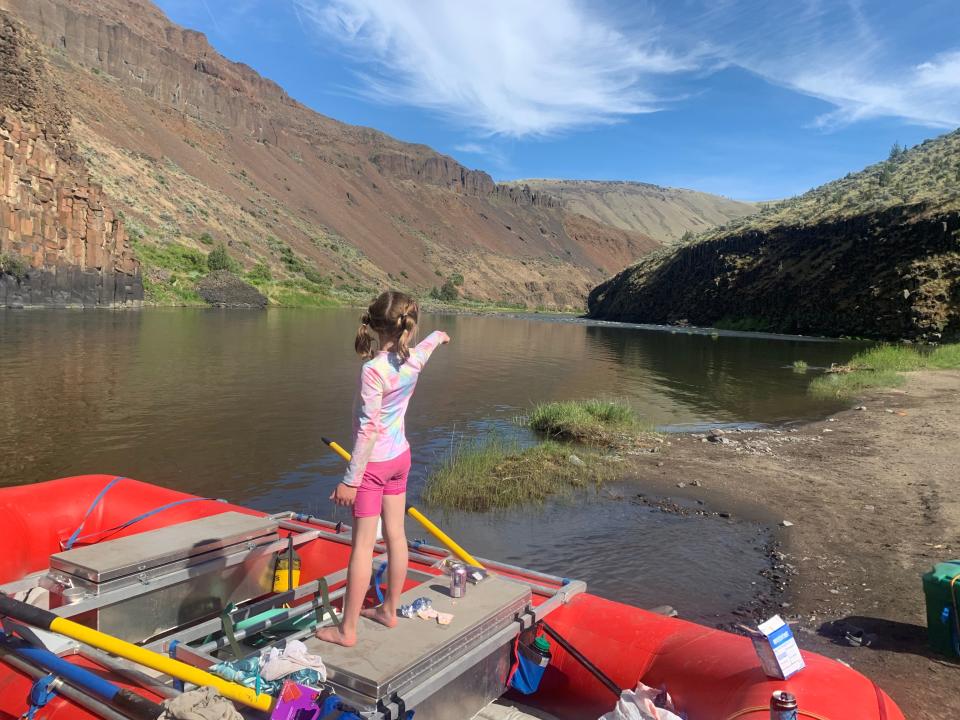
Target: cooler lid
112, 559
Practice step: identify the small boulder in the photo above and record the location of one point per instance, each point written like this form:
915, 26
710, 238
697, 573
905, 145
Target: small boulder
574, 460
222, 288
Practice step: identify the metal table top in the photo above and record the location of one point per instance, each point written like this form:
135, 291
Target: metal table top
386, 659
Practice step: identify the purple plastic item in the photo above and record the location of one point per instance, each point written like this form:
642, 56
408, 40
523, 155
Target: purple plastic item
293, 699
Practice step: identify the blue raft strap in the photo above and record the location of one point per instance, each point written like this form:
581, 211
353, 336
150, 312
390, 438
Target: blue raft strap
377, 579
172, 652
128, 523
40, 694
96, 501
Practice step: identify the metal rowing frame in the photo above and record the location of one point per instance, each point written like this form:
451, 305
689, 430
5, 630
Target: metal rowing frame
303, 529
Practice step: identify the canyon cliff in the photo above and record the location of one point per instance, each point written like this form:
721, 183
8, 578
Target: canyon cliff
185, 148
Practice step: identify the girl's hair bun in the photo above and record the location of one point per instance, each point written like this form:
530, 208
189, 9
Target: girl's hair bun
392, 314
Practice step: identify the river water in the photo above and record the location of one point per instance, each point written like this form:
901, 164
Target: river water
232, 404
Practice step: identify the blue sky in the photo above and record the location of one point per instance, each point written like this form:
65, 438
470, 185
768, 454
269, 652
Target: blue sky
751, 99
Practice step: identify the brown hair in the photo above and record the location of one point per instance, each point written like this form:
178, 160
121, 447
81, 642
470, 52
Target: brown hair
393, 315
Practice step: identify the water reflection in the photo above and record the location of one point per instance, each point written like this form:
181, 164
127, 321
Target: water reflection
233, 404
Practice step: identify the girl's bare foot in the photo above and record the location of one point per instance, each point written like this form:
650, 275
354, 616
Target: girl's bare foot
380, 615
336, 636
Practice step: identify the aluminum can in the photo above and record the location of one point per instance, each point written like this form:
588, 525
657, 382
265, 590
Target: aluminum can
458, 580
783, 706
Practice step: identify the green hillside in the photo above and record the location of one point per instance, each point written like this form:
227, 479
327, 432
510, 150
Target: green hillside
874, 254
928, 173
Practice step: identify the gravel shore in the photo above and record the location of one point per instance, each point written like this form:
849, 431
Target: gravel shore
863, 502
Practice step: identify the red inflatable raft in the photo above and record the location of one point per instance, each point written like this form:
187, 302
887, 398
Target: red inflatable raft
709, 673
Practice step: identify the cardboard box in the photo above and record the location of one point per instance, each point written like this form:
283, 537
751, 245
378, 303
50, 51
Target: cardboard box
777, 649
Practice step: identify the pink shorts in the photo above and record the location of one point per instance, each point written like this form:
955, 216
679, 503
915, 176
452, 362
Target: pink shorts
381, 478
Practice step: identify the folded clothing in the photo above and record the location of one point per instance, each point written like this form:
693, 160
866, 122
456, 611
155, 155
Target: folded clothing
294, 657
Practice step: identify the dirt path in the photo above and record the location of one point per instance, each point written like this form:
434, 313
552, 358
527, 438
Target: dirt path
874, 500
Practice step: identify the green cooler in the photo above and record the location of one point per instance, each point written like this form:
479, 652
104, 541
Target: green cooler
941, 587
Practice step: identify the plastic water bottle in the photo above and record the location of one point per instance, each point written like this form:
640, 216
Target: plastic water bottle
783, 706
540, 651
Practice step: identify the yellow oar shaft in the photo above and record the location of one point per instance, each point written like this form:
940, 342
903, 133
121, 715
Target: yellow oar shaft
46, 620
338, 449
439, 534
160, 663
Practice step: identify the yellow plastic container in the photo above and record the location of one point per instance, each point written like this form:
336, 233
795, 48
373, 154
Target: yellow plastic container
282, 573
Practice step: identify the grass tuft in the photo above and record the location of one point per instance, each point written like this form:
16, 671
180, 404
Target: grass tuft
498, 474
800, 366
849, 385
900, 358
881, 367
945, 357
594, 422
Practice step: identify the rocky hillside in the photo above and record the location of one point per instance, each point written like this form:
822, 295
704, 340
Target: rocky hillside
194, 150
665, 214
875, 254
60, 242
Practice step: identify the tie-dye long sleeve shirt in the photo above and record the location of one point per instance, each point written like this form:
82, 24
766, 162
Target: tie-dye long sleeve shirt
386, 386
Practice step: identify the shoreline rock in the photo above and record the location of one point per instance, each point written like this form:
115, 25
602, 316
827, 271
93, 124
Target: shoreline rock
222, 288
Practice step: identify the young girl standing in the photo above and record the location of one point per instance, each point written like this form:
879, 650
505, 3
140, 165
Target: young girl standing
375, 483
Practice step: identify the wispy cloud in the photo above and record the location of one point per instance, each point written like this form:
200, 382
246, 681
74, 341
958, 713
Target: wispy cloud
501, 67
540, 67
225, 18
471, 148
855, 60
495, 158
213, 17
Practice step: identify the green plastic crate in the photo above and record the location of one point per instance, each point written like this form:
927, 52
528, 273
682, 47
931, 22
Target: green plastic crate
942, 605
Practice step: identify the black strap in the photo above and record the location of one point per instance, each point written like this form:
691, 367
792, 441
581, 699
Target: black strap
325, 607
23, 631
579, 657
401, 706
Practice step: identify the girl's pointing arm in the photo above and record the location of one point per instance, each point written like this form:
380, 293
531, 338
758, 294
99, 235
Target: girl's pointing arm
424, 350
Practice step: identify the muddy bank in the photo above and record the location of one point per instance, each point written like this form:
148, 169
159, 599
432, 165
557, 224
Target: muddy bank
870, 503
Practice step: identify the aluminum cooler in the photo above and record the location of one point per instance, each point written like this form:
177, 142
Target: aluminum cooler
144, 585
